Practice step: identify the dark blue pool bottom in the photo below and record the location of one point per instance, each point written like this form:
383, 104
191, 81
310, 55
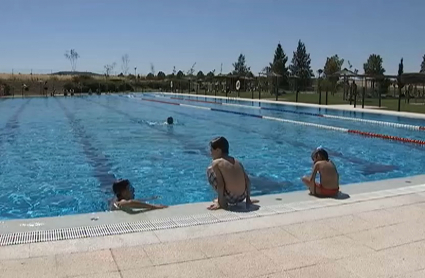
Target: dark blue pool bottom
99, 162
12, 125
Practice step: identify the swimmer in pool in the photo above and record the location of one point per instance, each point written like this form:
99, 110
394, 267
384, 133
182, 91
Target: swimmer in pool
124, 197
170, 120
329, 177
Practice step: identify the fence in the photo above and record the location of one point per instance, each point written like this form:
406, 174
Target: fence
408, 99
411, 98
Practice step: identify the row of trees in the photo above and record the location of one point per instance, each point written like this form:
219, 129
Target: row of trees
299, 68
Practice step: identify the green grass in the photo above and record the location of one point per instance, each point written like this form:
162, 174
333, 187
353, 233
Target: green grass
415, 106
386, 104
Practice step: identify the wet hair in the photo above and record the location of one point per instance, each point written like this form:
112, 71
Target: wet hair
321, 152
220, 143
170, 120
119, 186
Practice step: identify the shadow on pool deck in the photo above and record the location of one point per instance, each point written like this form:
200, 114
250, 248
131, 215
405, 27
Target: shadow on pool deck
242, 208
340, 196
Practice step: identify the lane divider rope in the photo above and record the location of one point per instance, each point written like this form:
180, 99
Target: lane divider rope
391, 124
340, 129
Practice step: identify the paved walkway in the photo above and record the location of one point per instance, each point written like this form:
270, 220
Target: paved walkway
344, 107
378, 238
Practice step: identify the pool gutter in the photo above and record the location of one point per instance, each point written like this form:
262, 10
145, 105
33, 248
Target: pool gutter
14, 232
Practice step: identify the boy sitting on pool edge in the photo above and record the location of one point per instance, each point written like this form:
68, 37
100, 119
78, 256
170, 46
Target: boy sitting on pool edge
329, 177
124, 197
227, 176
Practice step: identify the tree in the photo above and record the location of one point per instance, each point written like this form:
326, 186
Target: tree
109, 68
279, 65
333, 65
161, 75
423, 64
399, 81
150, 76
266, 70
72, 55
373, 66
320, 72
240, 67
200, 75
152, 69
180, 74
350, 67
174, 71
191, 71
210, 75
400, 72
125, 59
300, 66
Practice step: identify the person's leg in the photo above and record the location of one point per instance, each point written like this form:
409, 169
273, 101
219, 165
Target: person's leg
217, 182
212, 180
311, 185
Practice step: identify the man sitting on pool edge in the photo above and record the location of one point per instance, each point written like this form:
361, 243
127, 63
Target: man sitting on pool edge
228, 177
329, 177
124, 197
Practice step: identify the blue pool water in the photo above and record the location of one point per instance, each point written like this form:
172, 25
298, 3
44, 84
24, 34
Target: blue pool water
60, 155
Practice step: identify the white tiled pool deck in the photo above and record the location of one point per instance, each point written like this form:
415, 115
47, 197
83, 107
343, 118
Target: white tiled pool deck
375, 234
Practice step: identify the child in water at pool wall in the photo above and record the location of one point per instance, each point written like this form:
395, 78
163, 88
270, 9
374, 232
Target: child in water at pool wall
227, 176
329, 177
124, 197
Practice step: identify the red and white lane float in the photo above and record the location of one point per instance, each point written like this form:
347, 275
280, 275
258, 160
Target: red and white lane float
340, 129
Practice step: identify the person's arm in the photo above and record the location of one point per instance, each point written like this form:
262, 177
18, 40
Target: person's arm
136, 204
314, 172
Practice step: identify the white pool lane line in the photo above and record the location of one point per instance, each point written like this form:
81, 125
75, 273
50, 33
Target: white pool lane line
340, 129
346, 108
391, 124
196, 219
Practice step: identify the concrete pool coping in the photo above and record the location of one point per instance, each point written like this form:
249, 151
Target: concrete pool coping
337, 241
80, 226
311, 105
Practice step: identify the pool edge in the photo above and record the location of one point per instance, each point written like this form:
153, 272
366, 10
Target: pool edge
311, 105
13, 232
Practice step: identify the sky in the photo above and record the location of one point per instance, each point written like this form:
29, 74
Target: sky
166, 33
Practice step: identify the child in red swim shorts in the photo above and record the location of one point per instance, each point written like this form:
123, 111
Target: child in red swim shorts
329, 177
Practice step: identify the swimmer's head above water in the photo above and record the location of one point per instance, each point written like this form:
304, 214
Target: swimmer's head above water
170, 120
123, 190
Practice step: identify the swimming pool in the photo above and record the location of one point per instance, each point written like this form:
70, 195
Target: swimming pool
60, 155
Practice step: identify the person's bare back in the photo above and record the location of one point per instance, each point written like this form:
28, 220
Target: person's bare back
329, 177
233, 175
